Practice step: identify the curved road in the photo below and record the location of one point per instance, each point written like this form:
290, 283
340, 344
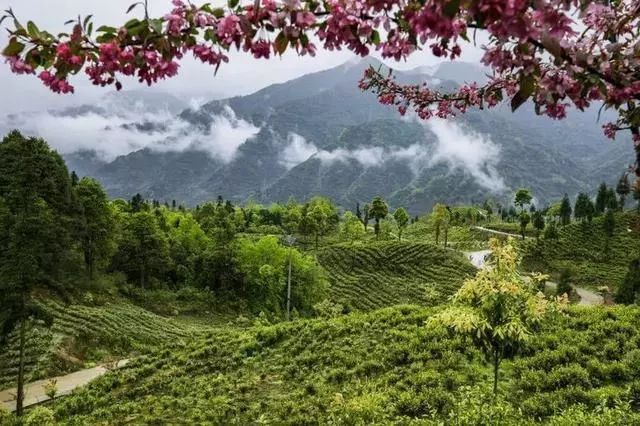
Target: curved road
587, 297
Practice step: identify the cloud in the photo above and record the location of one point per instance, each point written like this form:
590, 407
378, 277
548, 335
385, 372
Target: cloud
114, 132
468, 151
297, 151
459, 148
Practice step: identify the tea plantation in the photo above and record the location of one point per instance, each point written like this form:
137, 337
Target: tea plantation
584, 250
377, 275
382, 367
81, 334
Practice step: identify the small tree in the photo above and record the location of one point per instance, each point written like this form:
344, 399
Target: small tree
497, 308
623, 189
551, 231
522, 198
524, 221
378, 211
601, 200
627, 290
402, 220
565, 210
538, 223
584, 208
351, 228
366, 216
441, 216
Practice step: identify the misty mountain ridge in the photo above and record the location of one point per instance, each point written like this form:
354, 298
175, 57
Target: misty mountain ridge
320, 135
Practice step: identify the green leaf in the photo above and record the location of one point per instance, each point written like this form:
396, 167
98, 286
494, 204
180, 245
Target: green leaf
90, 28
86, 21
281, 43
233, 3
13, 49
375, 37
156, 24
218, 13
133, 6
105, 38
33, 30
106, 29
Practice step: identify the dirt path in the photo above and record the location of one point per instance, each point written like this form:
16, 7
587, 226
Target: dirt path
35, 393
587, 297
493, 231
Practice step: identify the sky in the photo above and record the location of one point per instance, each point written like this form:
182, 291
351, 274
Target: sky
242, 75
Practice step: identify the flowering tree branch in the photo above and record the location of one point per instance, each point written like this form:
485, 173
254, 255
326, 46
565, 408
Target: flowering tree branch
555, 53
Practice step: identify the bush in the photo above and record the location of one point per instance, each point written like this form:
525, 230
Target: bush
40, 416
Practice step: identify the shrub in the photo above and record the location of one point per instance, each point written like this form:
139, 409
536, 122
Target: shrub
40, 416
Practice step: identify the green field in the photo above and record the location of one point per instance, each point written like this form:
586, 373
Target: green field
82, 334
384, 367
582, 249
377, 275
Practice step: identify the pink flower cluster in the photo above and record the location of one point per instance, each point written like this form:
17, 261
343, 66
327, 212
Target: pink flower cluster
57, 85
18, 66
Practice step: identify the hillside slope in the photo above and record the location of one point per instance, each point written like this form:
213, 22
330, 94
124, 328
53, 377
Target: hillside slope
81, 334
377, 275
384, 367
582, 249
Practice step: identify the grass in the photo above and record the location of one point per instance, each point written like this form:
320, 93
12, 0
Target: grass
384, 367
380, 274
582, 248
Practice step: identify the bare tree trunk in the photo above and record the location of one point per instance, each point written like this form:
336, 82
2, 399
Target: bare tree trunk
496, 371
20, 396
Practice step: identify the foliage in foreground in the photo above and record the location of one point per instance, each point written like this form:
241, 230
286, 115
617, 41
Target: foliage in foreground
386, 366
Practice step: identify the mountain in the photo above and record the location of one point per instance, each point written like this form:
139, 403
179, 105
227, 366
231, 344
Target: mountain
319, 134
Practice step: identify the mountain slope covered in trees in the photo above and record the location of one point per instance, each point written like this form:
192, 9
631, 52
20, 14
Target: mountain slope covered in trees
319, 134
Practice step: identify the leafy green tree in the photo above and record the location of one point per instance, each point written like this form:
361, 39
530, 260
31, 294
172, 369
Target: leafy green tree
525, 219
402, 220
441, 217
352, 228
602, 199
538, 223
612, 199
143, 251
629, 287
291, 217
522, 198
97, 224
366, 216
623, 189
584, 208
378, 211
35, 234
565, 210
264, 264
497, 309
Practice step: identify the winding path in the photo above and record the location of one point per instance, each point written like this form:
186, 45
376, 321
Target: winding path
35, 391
587, 297
493, 231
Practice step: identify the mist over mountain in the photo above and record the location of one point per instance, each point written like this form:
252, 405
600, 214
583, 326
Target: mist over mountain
319, 134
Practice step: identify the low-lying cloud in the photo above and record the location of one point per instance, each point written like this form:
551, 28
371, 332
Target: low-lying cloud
459, 148
111, 133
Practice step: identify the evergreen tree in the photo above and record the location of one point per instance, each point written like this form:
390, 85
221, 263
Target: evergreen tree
551, 231
74, 178
602, 199
35, 233
629, 287
584, 208
97, 224
565, 210
623, 189
538, 223
366, 216
608, 226
525, 218
612, 200
136, 203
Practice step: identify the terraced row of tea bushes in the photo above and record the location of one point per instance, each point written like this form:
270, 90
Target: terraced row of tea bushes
385, 367
459, 237
582, 248
81, 334
376, 275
